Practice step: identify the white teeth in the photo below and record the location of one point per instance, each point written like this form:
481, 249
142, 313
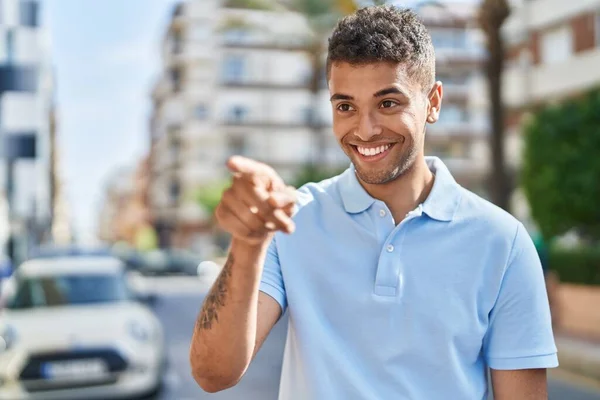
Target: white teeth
372, 151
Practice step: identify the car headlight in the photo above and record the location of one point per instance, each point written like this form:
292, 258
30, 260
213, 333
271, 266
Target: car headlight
7, 338
139, 332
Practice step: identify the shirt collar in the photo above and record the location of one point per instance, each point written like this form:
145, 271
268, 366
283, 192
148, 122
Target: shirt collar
441, 203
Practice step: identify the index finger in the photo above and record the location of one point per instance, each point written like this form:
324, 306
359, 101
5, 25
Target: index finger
245, 166
249, 169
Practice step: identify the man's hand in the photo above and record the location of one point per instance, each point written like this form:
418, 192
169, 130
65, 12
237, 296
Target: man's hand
257, 203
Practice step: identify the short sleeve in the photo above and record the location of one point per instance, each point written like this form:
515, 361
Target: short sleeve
272, 279
520, 333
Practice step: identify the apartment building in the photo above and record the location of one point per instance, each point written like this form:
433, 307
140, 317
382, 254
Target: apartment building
236, 81
460, 137
125, 215
553, 52
26, 107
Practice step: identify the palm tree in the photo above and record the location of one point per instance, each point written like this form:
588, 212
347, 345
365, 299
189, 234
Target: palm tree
492, 14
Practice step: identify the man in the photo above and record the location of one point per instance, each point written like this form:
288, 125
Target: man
399, 283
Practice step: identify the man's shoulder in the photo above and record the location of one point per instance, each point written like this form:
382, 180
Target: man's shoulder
474, 209
319, 193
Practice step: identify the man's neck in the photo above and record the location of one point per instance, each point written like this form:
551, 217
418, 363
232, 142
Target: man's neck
405, 193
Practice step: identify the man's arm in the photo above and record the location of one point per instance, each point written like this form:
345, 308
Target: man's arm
236, 318
234, 321
524, 384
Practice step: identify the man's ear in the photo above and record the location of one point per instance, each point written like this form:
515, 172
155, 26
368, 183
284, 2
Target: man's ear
435, 102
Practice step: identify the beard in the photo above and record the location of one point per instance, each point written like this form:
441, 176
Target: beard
393, 166
384, 175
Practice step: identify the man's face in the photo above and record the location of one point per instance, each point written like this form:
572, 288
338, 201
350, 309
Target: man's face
379, 116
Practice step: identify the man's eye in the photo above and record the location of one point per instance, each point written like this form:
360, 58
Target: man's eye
388, 104
345, 107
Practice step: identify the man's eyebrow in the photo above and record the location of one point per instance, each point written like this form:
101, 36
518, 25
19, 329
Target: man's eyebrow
339, 96
390, 90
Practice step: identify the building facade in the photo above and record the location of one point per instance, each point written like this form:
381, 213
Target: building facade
125, 215
237, 81
26, 103
553, 52
460, 137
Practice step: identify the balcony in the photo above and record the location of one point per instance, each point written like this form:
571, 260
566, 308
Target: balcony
452, 58
241, 83
552, 81
187, 52
265, 124
464, 131
242, 40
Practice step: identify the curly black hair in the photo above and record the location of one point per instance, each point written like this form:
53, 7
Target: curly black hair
384, 34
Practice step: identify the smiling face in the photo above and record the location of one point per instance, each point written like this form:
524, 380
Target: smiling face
379, 117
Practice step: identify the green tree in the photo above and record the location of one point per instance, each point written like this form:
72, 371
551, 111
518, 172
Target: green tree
313, 173
561, 170
209, 195
492, 14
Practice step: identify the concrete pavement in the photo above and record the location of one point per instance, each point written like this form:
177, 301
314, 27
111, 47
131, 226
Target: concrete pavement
579, 356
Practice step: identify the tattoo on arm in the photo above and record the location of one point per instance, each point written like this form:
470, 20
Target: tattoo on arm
216, 298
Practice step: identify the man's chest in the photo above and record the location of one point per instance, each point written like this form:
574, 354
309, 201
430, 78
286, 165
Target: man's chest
415, 281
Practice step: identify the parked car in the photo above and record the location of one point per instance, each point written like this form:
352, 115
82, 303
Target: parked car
53, 251
72, 329
169, 262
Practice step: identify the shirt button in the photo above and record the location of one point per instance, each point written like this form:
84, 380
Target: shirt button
390, 248
382, 213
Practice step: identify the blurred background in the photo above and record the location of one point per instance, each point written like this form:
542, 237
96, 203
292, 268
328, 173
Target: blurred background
117, 117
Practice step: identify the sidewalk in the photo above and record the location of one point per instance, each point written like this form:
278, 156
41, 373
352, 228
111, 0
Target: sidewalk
578, 333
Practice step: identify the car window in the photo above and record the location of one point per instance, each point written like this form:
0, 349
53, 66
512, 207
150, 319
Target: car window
48, 291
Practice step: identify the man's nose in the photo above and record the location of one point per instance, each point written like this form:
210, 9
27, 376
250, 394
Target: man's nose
368, 127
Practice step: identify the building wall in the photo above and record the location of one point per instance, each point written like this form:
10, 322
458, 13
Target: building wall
26, 97
553, 53
244, 90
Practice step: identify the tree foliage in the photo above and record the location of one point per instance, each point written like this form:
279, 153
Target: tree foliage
209, 195
561, 171
312, 173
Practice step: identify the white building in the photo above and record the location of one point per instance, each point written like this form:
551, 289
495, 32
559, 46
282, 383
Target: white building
553, 53
236, 81
460, 137
26, 97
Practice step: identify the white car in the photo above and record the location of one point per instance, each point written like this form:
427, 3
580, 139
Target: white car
72, 328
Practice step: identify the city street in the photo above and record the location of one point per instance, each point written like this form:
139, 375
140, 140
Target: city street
177, 308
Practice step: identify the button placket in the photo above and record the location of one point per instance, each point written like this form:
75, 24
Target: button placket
389, 269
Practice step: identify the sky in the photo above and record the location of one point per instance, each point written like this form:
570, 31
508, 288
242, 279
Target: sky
106, 59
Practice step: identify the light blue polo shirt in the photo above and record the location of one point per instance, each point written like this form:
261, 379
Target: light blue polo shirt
415, 310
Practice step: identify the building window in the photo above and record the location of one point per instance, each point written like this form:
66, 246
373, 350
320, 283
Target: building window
28, 13
198, 33
201, 112
177, 43
237, 114
452, 114
237, 145
307, 115
235, 36
597, 28
174, 191
234, 69
10, 46
557, 45
176, 78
